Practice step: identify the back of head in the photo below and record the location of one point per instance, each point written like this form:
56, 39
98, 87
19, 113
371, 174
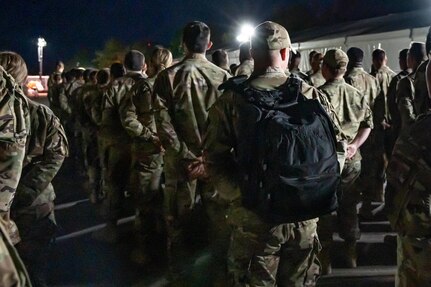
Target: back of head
161, 58
134, 61
311, 55
117, 70
356, 56
196, 37
403, 59
77, 73
102, 77
93, 76
15, 65
59, 65
418, 51
87, 73
220, 59
244, 52
379, 58
336, 61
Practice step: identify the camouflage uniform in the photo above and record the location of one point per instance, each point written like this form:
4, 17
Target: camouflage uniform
116, 144
394, 113
371, 178
33, 207
408, 203
257, 249
15, 123
404, 98
421, 101
136, 113
316, 79
354, 113
183, 95
245, 68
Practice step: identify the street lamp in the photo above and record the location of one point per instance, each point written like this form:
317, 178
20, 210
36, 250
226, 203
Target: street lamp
40, 44
246, 32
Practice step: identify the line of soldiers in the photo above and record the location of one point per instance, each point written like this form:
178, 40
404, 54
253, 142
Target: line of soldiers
127, 129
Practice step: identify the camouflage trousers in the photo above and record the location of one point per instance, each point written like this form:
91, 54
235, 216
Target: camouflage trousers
347, 218
91, 161
116, 177
37, 233
262, 254
414, 257
12, 270
145, 184
374, 162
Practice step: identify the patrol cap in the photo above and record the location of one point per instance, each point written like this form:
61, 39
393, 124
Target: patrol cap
271, 36
336, 59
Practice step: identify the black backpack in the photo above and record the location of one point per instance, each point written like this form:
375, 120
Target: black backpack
286, 148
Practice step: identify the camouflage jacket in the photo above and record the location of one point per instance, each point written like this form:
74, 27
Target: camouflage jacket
46, 150
421, 101
408, 195
364, 82
384, 77
221, 136
12, 269
137, 115
404, 98
84, 100
245, 68
15, 127
350, 105
111, 128
182, 96
394, 113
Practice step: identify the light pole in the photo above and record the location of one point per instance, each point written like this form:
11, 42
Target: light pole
40, 44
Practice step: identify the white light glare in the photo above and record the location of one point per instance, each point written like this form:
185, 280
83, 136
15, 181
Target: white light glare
41, 42
247, 31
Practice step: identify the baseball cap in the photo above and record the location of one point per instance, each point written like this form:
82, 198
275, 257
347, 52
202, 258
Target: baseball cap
336, 59
271, 36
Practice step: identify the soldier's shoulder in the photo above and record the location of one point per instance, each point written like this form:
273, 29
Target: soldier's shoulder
422, 67
309, 91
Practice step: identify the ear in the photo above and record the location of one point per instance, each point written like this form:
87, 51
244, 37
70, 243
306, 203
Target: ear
210, 44
283, 53
144, 68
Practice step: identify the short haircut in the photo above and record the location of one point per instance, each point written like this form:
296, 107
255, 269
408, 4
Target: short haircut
311, 54
77, 73
220, 58
93, 75
196, 36
403, 54
117, 70
87, 73
244, 51
103, 76
15, 65
378, 54
356, 55
417, 51
295, 55
134, 60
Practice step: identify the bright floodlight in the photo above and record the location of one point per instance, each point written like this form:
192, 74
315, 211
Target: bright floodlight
247, 31
41, 42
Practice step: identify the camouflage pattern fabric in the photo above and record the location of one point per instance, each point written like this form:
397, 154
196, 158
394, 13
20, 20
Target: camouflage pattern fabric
408, 203
421, 101
245, 68
33, 208
404, 97
317, 79
257, 250
384, 76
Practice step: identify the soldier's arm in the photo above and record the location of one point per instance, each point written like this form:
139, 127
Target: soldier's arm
128, 115
63, 101
404, 98
43, 167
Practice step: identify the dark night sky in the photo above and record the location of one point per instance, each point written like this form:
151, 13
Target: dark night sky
70, 26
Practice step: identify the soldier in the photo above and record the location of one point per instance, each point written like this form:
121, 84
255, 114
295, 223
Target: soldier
294, 63
316, 78
394, 113
15, 125
310, 61
287, 259
246, 61
221, 59
371, 154
355, 116
184, 93
161, 58
117, 143
33, 206
59, 68
408, 205
406, 89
